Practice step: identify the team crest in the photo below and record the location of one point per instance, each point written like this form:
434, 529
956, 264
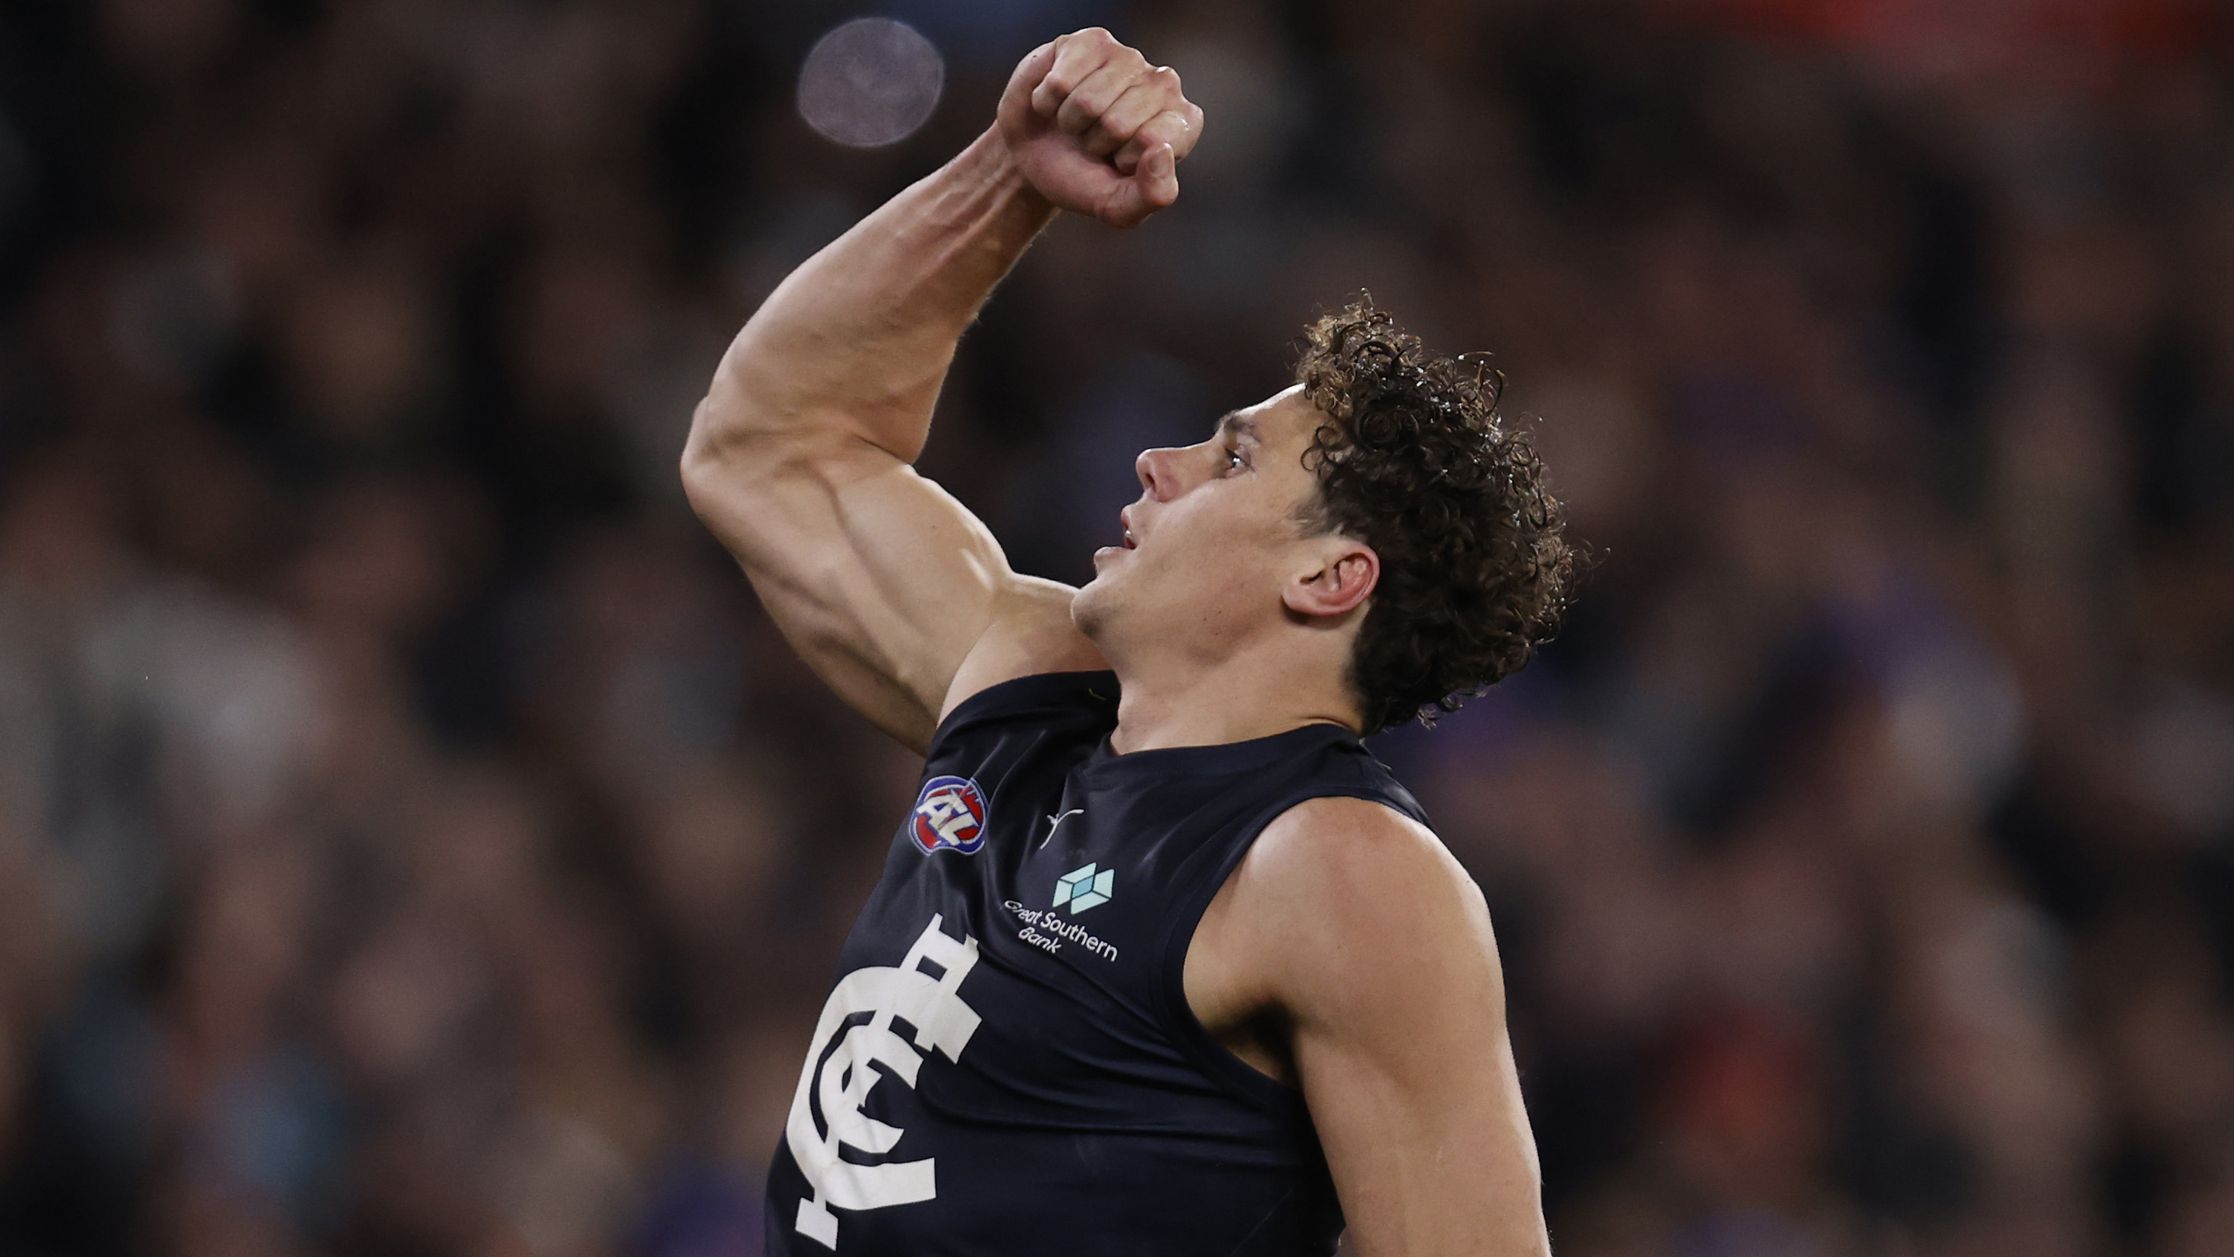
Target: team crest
851, 1055
949, 815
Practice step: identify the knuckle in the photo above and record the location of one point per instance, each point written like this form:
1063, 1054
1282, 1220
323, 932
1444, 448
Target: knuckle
1167, 76
1098, 36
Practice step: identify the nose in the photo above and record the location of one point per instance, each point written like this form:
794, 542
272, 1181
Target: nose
1157, 473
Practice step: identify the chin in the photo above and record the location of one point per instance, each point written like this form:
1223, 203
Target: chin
1089, 608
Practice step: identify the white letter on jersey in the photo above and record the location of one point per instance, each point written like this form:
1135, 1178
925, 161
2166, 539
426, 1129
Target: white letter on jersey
948, 815
942, 1022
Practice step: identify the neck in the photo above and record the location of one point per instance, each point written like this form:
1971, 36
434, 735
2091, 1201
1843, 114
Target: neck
1234, 700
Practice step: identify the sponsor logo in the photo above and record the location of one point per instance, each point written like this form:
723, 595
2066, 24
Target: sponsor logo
850, 1056
1085, 887
949, 816
1048, 931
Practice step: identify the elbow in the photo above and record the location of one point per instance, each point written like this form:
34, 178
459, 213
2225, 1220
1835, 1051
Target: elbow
723, 433
721, 445
730, 458
701, 458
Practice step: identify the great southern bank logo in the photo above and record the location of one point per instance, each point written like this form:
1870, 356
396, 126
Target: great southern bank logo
1085, 887
949, 816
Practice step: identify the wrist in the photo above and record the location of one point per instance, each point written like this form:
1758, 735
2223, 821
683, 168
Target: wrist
989, 158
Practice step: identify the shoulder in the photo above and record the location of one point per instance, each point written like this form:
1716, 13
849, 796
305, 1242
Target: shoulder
1354, 856
1030, 633
1346, 902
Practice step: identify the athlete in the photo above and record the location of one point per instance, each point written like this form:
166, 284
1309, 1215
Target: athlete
1162, 961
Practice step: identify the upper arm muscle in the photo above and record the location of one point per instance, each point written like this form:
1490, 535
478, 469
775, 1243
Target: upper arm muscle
1378, 949
884, 583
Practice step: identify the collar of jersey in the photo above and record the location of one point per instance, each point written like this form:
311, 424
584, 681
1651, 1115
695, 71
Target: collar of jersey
1219, 756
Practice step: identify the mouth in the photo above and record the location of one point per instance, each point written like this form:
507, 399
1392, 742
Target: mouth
1124, 518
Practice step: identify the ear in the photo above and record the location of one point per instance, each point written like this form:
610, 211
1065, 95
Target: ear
1345, 576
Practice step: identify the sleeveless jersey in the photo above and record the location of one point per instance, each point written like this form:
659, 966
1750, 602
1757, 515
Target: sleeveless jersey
1007, 1065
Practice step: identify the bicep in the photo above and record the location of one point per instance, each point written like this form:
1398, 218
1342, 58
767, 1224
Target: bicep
879, 578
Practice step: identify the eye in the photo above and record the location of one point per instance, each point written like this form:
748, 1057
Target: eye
1234, 461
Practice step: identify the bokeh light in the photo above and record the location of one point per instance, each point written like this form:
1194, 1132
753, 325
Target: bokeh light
870, 82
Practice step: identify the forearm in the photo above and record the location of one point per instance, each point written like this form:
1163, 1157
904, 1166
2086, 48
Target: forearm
858, 339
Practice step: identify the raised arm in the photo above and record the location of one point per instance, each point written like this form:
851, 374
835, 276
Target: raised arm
799, 458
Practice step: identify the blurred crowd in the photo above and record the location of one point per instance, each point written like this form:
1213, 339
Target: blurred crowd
414, 840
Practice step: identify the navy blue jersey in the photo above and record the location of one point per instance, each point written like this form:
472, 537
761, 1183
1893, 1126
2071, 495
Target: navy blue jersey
1007, 1065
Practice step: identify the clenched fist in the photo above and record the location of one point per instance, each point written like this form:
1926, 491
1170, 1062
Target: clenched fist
1097, 130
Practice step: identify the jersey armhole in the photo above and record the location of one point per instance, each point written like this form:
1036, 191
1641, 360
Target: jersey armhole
1038, 690
1194, 1038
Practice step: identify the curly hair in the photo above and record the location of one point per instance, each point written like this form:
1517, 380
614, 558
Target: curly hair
1413, 458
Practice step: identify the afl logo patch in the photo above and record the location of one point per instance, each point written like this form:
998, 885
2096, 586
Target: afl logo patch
950, 815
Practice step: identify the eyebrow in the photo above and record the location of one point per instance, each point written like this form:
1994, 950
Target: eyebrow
1235, 422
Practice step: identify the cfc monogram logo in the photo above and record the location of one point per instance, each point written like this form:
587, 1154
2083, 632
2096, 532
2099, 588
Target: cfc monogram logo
838, 1084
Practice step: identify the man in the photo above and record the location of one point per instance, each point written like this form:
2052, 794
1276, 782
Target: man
1162, 961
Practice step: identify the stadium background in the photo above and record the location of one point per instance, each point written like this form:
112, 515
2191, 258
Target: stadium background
414, 840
